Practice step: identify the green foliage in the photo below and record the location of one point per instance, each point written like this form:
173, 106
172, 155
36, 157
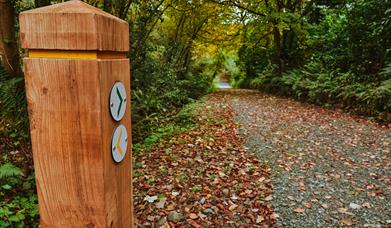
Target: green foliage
236, 76
20, 205
13, 109
326, 52
369, 29
317, 85
166, 73
336, 54
182, 121
8, 171
386, 71
161, 94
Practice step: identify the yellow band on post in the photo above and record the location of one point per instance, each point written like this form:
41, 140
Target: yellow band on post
70, 54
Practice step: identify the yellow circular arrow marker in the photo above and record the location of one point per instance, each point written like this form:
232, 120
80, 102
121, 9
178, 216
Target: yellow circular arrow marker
119, 143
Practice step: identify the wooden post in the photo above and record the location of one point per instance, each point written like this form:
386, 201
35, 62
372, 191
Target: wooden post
78, 90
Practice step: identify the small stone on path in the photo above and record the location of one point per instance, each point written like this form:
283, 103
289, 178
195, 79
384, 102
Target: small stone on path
175, 217
354, 206
161, 222
208, 211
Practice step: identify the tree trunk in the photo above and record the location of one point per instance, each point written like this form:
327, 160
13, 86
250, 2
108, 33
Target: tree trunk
107, 6
277, 44
41, 3
9, 52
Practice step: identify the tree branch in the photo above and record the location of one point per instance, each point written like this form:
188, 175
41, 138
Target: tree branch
239, 6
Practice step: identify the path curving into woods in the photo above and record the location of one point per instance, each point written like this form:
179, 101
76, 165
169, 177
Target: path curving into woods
329, 168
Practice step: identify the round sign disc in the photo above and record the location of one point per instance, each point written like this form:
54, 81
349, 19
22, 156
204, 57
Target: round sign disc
119, 143
118, 101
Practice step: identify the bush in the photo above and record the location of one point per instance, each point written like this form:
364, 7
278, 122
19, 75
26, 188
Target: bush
317, 85
13, 111
20, 205
159, 91
340, 54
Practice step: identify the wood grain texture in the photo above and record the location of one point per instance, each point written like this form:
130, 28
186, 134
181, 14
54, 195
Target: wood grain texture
78, 183
73, 25
117, 178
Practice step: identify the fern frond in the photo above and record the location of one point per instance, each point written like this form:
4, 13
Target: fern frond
13, 102
386, 71
9, 170
10, 92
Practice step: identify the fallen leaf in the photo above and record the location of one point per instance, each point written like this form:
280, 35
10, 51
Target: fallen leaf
274, 216
369, 186
201, 215
234, 197
347, 221
232, 207
260, 219
366, 205
174, 193
150, 199
270, 197
248, 191
342, 210
193, 216
222, 174
150, 218
160, 204
299, 210
170, 207
193, 223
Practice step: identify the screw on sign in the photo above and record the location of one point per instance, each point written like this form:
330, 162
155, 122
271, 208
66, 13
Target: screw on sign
118, 101
119, 143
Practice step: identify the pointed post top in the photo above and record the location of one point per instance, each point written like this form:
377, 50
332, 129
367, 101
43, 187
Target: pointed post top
73, 25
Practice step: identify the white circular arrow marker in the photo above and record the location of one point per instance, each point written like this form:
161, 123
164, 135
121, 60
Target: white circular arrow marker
118, 101
119, 143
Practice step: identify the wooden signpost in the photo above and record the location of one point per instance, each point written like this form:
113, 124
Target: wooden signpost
78, 90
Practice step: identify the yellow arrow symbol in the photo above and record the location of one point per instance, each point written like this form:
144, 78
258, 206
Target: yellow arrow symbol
118, 144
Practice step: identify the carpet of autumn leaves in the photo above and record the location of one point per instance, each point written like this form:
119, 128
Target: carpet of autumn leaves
202, 178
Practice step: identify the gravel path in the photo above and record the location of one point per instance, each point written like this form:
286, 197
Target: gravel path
329, 169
